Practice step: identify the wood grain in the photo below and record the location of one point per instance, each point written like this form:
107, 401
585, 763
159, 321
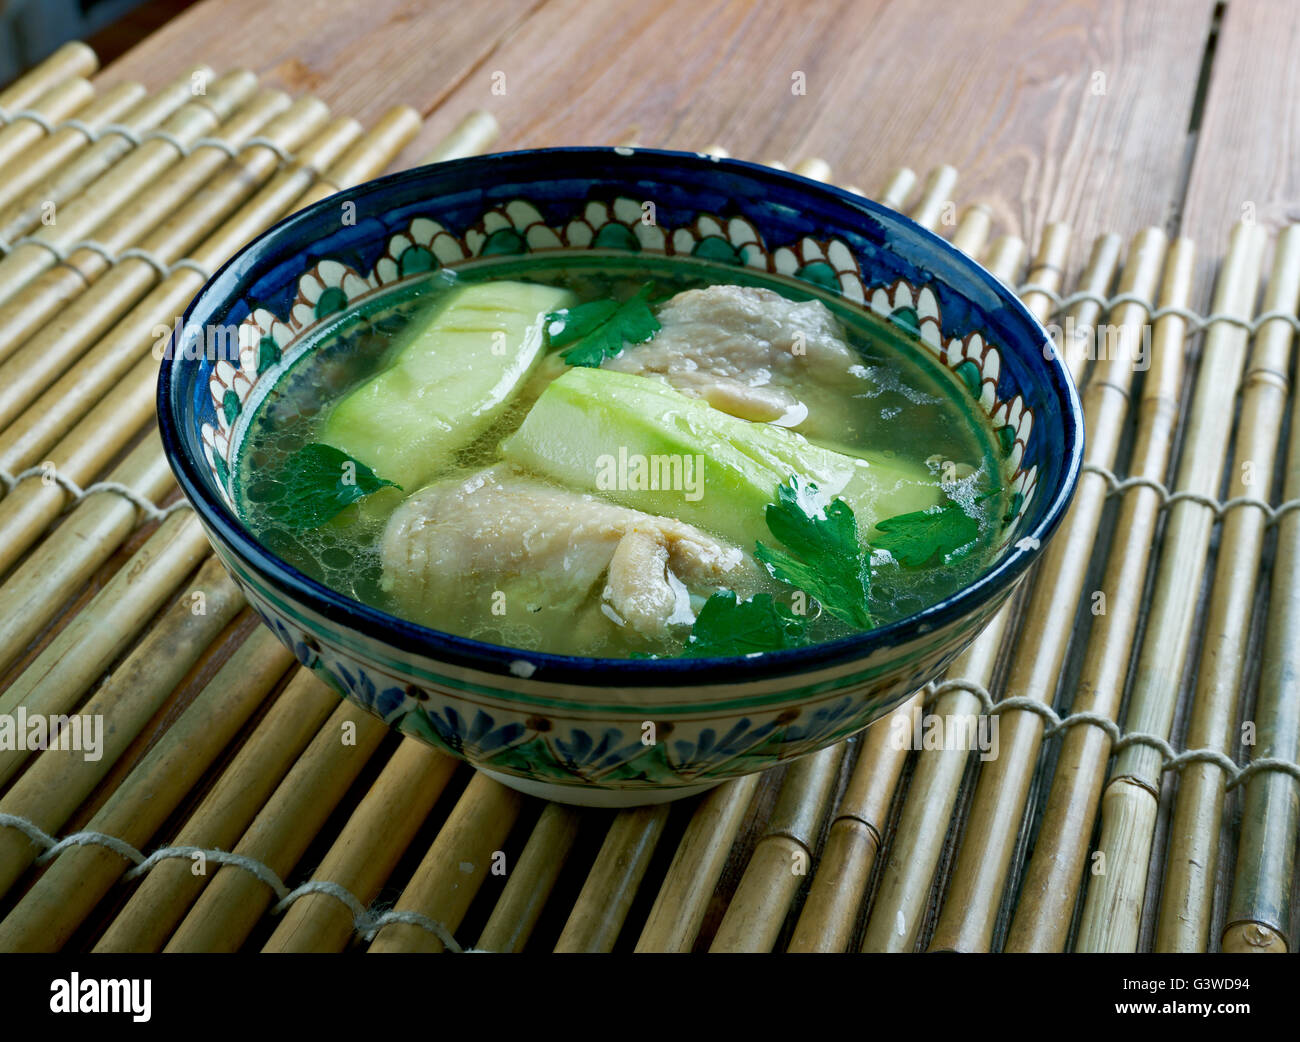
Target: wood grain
888, 83
1247, 159
1075, 112
359, 58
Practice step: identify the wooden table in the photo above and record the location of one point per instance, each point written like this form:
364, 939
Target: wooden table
1108, 115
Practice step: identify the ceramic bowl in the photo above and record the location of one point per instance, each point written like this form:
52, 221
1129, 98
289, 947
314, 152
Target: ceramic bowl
587, 730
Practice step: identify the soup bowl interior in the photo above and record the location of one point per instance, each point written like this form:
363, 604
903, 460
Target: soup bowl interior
593, 730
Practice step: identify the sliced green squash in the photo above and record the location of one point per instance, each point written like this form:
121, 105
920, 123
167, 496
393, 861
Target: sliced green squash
628, 439
453, 374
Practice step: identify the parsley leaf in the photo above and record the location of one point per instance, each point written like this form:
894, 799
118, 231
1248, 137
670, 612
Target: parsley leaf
821, 554
598, 329
915, 539
726, 627
317, 483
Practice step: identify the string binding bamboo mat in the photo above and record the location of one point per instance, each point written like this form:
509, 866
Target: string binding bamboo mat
1144, 794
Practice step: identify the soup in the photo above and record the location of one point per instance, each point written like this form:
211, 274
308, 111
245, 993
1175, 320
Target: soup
615, 455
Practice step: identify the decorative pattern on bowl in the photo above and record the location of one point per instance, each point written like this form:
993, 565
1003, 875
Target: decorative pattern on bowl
586, 730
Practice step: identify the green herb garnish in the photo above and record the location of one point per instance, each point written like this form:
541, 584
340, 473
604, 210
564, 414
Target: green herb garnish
821, 554
317, 483
727, 627
598, 329
916, 539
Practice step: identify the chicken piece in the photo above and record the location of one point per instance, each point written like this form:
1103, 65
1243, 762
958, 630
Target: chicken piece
455, 544
748, 351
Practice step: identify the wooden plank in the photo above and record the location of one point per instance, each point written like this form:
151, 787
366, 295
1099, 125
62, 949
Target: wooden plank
1083, 120
1070, 112
681, 72
360, 59
1051, 112
1247, 159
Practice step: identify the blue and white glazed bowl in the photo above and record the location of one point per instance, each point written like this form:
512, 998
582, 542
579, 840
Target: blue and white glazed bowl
593, 731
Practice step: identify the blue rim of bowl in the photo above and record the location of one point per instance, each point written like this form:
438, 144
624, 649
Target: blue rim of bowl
651, 672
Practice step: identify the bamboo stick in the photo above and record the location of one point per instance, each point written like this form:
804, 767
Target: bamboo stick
1254, 938
460, 856
472, 135
72, 59
33, 594
29, 309
26, 512
79, 217
63, 317
90, 641
973, 230
1005, 258
1051, 884
678, 912
515, 915
898, 188
33, 505
141, 213
59, 102
968, 916
170, 888
1259, 911
782, 858
54, 786
231, 904
935, 195
368, 848
1192, 863
101, 433
907, 875
25, 212
1113, 907
20, 172
301, 130
831, 909
368, 157
78, 879
813, 167
137, 332
601, 909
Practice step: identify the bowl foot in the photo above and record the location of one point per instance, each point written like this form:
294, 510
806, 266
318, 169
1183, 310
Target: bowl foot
585, 796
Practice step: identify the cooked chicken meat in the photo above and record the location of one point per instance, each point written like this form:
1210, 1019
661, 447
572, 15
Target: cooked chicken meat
746, 351
456, 544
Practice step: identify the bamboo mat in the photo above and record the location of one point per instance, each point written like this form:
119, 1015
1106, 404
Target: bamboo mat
1143, 681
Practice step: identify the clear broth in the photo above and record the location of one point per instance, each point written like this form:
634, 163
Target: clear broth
910, 406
